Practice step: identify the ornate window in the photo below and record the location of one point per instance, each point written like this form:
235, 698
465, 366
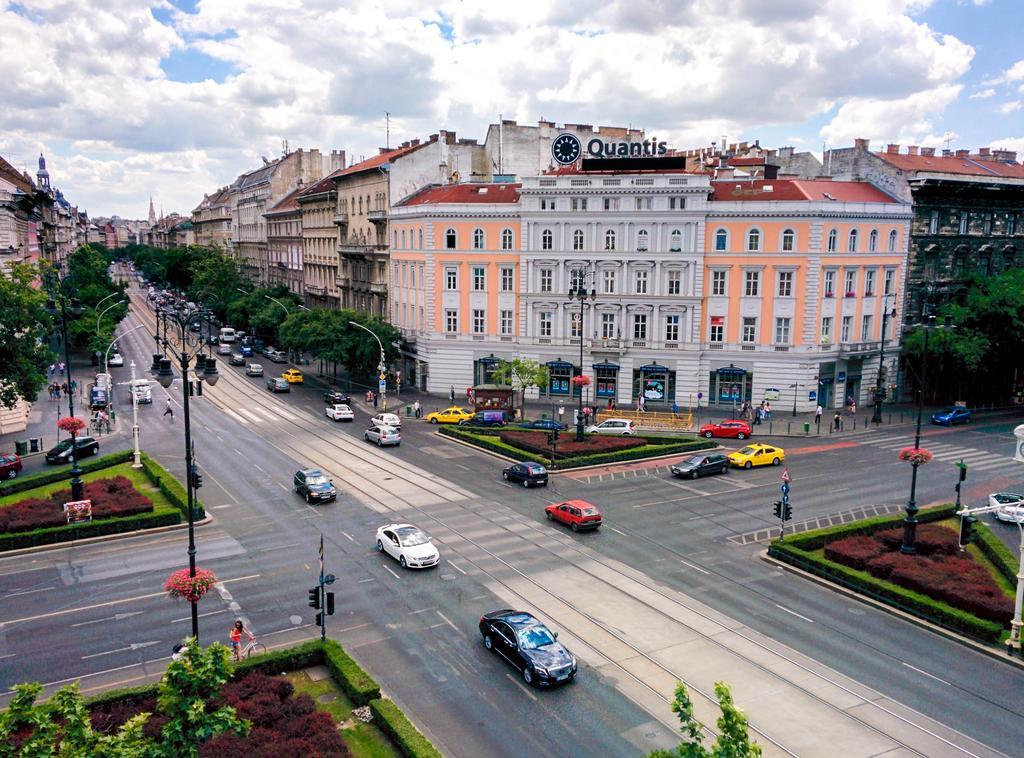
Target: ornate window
450, 239
675, 241
609, 239
892, 241
753, 240
546, 239
788, 240
577, 239
852, 246
506, 239
642, 241
721, 240
833, 240
873, 241
478, 239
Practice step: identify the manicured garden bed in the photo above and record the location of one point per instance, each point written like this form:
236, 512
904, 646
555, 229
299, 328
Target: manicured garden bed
966, 591
125, 500
597, 449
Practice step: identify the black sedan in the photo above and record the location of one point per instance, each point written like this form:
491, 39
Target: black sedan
701, 465
337, 397
544, 424
527, 644
314, 485
529, 473
61, 452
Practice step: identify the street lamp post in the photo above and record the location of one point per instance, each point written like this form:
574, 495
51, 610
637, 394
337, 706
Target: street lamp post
165, 377
60, 304
381, 366
876, 414
137, 461
580, 293
795, 386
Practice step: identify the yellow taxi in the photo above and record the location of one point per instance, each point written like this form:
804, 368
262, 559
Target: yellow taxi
757, 454
453, 415
293, 375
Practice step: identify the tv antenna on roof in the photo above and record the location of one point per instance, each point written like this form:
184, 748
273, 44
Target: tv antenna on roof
948, 138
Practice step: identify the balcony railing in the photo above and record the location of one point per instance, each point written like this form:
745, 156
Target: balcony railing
859, 348
377, 216
361, 249
341, 218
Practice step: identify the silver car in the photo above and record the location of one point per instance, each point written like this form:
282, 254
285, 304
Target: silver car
383, 435
254, 369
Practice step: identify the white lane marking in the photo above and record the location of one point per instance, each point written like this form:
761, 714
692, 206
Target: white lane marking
9, 655
286, 414
456, 567
449, 622
353, 628
133, 646
783, 608
615, 530
919, 671
236, 417
422, 610
115, 617
364, 581
218, 507
27, 592
239, 452
388, 569
258, 468
264, 412
521, 686
201, 615
252, 416
350, 537
695, 568
286, 489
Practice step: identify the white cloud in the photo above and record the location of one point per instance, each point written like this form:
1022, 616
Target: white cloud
1009, 143
1014, 73
117, 129
983, 94
1010, 107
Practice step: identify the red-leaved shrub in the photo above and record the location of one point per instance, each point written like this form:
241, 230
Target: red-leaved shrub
537, 442
854, 551
110, 497
930, 539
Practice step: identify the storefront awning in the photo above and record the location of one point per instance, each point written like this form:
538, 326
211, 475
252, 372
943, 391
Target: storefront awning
651, 368
731, 371
558, 364
489, 360
607, 366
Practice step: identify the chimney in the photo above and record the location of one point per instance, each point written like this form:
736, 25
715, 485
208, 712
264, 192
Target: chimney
946, 153
892, 149
928, 152
911, 149
983, 152
861, 144
1004, 156
962, 153
771, 171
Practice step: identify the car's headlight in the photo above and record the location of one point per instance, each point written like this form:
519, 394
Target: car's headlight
540, 670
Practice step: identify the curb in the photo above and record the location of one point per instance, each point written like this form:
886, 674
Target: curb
103, 538
991, 652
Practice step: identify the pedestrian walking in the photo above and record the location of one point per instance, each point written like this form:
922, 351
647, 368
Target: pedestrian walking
65, 389
611, 403
451, 394
817, 417
767, 411
169, 409
53, 369
675, 408
416, 409
376, 397
561, 412
853, 408
60, 368
837, 421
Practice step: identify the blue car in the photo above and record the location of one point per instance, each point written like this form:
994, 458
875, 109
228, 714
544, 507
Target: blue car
247, 351
545, 424
950, 416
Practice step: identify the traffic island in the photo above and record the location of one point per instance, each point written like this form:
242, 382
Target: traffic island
968, 592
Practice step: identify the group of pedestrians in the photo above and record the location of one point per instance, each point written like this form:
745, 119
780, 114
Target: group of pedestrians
372, 398
758, 415
62, 389
57, 368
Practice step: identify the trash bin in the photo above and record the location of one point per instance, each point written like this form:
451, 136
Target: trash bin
807, 427
35, 444
21, 447
408, 410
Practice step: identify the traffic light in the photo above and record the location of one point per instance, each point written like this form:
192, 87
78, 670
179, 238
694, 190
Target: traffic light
196, 477
963, 470
787, 511
778, 509
330, 603
314, 598
320, 619
967, 530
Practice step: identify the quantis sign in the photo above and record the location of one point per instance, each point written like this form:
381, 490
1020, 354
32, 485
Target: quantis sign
567, 148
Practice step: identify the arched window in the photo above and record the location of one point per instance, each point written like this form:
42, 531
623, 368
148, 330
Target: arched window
506, 239
419, 239
450, 240
853, 241
753, 240
360, 206
642, 241
833, 240
577, 239
403, 239
675, 241
788, 240
873, 241
609, 239
478, 239
721, 240
892, 241
546, 239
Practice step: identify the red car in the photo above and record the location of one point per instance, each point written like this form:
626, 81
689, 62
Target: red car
578, 514
10, 466
732, 427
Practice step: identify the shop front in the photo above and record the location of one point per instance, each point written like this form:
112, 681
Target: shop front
560, 374
483, 369
827, 385
656, 383
606, 378
730, 386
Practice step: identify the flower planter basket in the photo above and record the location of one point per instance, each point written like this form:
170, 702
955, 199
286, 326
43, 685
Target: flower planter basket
916, 455
181, 585
71, 424
851, 294
580, 381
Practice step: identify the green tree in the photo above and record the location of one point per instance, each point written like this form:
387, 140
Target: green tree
732, 741
521, 374
24, 328
216, 280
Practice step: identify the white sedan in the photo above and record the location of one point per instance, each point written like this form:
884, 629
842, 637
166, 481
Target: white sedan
1010, 505
339, 412
116, 360
407, 544
387, 419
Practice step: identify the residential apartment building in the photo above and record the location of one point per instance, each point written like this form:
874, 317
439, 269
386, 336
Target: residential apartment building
318, 259
797, 277
18, 218
284, 243
211, 219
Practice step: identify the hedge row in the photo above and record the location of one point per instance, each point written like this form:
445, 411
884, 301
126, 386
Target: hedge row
816, 539
406, 737
993, 548
171, 488
62, 473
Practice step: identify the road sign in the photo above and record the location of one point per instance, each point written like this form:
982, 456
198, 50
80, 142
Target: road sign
786, 476
382, 386
784, 488
329, 579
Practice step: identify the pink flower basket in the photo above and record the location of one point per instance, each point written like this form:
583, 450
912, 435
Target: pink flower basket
915, 455
581, 381
71, 424
181, 585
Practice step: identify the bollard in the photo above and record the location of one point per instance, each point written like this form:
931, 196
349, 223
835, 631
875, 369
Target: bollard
890, 419
788, 425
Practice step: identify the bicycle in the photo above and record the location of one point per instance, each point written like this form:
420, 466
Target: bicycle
253, 648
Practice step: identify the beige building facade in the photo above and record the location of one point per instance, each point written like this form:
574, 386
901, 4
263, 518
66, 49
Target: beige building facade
318, 210
211, 219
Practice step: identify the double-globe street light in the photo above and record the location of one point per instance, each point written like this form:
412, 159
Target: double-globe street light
60, 304
205, 369
580, 293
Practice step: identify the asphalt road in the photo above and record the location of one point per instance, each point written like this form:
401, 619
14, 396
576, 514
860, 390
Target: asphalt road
671, 550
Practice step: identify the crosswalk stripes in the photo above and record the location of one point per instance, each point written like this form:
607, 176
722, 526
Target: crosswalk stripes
977, 460
252, 416
235, 416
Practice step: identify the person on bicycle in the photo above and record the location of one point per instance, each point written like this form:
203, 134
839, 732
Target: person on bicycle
236, 638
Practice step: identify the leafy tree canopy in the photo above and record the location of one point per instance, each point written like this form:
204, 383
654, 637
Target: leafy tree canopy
521, 374
733, 741
24, 329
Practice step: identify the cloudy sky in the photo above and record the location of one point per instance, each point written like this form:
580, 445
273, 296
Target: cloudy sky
174, 98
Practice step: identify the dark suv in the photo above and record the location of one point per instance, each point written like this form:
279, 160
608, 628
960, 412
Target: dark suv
314, 485
61, 452
337, 397
527, 644
701, 465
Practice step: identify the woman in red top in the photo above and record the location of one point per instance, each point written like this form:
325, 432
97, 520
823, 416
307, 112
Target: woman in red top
236, 638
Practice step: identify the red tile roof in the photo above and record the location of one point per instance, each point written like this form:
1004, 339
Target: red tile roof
949, 164
746, 161
799, 190
575, 168
289, 202
465, 193
379, 160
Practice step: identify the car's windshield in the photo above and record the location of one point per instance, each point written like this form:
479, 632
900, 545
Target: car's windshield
411, 537
535, 637
694, 460
748, 450
63, 445
317, 479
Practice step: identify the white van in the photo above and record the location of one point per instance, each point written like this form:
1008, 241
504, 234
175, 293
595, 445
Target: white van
227, 334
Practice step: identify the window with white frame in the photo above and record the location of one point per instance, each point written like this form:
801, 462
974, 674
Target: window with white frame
544, 323
718, 283
507, 274
608, 326
672, 328
505, 322
785, 288
403, 239
852, 243
965, 219
873, 241
577, 278
892, 241
749, 334
575, 326
826, 329
788, 240
675, 241
865, 328
547, 203
753, 240
479, 278
546, 239
642, 241
751, 283
412, 275
608, 281
506, 239
479, 322
677, 203
640, 282
644, 203
451, 321
609, 239
782, 330
578, 203
844, 335
869, 282
611, 203
890, 277
933, 222
833, 240
478, 239
451, 278
451, 240
639, 326
851, 283
674, 281
577, 239
830, 284
716, 332
721, 240
546, 279
419, 239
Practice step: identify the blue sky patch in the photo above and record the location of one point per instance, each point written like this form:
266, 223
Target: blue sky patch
190, 65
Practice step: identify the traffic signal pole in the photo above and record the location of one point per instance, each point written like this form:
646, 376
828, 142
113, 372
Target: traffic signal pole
319, 598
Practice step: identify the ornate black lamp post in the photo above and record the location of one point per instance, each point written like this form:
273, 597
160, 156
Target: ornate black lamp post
61, 305
876, 414
580, 293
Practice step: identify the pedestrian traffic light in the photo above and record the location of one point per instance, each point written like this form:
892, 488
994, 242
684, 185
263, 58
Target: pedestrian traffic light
778, 509
963, 470
330, 603
314, 598
967, 529
787, 511
196, 478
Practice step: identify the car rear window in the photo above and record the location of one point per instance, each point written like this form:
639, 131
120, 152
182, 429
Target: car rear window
590, 512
